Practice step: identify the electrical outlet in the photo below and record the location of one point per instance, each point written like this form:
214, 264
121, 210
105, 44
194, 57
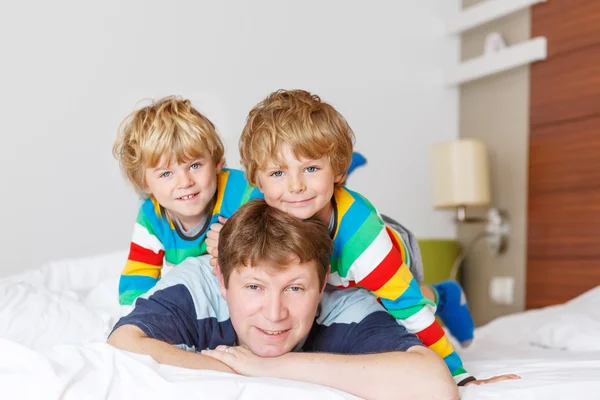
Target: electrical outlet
502, 290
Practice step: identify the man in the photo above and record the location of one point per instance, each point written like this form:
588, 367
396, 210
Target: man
268, 313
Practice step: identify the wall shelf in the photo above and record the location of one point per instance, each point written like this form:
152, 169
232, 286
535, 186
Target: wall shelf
484, 12
511, 57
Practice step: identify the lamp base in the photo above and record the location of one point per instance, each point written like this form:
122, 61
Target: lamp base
496, 229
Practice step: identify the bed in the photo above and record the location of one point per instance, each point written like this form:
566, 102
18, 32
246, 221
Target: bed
54, 321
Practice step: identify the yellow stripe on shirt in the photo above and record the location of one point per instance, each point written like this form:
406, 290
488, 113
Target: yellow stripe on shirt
221, 184
397, 285
442, 347
140, 268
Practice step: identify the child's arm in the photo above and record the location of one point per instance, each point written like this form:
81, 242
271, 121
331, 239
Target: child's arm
144, 263
377, 263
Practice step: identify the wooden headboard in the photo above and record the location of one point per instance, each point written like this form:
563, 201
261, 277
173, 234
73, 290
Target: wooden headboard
563, 249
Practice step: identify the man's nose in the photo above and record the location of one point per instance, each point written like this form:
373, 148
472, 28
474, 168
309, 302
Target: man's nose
274, 308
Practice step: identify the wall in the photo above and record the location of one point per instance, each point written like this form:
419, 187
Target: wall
72, 70
495, 110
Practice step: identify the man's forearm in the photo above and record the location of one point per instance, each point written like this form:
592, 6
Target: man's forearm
415, 374
131, 338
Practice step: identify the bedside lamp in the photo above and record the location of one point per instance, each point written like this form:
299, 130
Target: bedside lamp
460, 177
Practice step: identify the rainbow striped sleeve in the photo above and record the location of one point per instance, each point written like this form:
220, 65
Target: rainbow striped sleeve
369, 254
145, 259
233, 192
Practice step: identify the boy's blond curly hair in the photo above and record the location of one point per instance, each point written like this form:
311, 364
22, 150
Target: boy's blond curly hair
311, 127
169, 127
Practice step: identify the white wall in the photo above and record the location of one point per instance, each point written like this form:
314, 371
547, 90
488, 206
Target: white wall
72, 70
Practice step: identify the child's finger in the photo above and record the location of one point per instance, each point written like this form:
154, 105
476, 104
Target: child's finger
222, 219
216, 227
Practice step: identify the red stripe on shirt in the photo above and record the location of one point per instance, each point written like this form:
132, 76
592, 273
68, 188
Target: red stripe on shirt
383, 272
431, 334
146, 256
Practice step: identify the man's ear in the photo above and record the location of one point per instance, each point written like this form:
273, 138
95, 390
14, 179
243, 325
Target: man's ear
221, 281
325, 282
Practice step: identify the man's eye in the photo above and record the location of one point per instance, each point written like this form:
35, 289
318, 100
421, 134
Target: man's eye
311, 169
295, 288
195, 166
166, 174
277, 174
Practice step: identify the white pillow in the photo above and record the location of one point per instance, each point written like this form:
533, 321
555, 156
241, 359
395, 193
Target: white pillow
573, 326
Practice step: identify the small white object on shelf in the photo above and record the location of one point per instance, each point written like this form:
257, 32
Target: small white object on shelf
486, 11
511, 57
494, 42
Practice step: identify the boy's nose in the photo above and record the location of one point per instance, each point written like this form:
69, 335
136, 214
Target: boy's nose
185, 180
296, 185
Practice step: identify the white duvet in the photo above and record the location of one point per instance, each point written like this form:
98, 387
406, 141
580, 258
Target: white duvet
54, 322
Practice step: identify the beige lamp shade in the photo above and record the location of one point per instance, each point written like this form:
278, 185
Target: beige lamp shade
460, 174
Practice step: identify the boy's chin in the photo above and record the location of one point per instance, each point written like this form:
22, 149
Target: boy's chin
301, 214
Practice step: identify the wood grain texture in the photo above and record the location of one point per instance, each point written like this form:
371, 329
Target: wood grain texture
576, 277
565, 156
568, 25
563, 227
566, 87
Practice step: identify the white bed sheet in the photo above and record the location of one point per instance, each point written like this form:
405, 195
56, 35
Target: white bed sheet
53, 326
555, 350
54, 322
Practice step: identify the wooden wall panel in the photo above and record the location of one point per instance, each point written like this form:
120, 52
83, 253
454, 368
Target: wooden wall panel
563, 244
564, 224
568, 25
576, 277
565, 156
566, 87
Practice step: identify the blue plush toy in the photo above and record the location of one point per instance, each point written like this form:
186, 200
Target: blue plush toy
358, 160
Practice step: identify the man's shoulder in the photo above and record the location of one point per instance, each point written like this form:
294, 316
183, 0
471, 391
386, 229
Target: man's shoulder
194, 277
346, 306
352, 321
185, 309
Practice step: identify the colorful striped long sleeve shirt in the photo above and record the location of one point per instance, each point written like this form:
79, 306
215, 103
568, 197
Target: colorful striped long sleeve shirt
369, 254
157, 241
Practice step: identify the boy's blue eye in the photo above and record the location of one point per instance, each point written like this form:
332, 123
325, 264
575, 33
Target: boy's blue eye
277, 174
166, 174
195, 166
311, 169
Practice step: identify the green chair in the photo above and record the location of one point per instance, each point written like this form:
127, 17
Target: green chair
438, 256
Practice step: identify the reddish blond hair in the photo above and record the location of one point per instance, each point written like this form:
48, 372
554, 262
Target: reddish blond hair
311, 127
169, 127
257, 233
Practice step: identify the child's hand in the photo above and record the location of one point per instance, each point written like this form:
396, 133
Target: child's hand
241, 359
212, 240
493, 379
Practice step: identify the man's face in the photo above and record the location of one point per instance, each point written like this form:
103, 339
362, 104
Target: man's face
301, 187
272, 309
